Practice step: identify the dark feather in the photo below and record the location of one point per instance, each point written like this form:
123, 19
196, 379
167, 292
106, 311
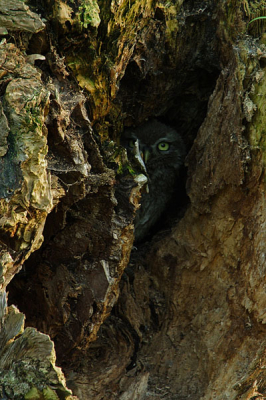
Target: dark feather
162, 170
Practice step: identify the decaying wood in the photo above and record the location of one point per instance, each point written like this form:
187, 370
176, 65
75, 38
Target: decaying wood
27, 362
183, 314
17, 16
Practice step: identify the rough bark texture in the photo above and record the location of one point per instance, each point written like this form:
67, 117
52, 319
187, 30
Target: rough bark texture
183, 314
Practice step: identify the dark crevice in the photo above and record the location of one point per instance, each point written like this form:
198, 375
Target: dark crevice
184, 109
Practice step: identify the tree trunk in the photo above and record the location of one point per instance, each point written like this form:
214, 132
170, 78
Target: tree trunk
180, 315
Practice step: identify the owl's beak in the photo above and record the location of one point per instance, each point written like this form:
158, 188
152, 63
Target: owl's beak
145, 155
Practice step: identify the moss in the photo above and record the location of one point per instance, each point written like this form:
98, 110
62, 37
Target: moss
99, 61
117, 156
89, 14
252, 75
49, 394
257, 129
255, 9
170, 12
33, 394
46, 394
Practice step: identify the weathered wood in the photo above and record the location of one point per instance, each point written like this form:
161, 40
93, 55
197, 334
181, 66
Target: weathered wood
27, 362
16, 16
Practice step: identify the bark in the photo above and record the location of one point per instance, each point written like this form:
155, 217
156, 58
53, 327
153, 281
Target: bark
182, 315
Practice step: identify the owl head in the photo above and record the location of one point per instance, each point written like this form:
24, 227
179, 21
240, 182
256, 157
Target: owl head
159, 144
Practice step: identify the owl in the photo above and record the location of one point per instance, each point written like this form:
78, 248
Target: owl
162, 151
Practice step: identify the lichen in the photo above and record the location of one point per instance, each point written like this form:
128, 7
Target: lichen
27, 362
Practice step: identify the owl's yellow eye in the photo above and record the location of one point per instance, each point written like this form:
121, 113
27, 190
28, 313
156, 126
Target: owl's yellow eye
163, 146
131, 143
